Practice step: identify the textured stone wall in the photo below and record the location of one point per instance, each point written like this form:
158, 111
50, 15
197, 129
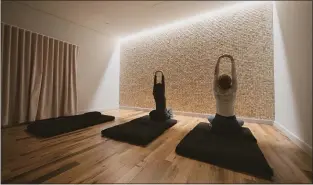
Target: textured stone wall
187, 56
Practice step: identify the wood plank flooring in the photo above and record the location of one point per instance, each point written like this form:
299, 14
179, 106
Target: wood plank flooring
84, 156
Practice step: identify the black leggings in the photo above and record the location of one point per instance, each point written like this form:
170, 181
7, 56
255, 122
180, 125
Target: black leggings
225, 125
240, 122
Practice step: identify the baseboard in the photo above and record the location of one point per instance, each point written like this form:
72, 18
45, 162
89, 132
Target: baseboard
295, 139
96, 109
12, 126
248, 120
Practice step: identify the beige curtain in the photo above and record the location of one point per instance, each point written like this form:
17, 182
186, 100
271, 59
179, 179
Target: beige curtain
38, 76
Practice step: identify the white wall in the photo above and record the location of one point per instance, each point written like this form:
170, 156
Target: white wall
98, 61
293, 70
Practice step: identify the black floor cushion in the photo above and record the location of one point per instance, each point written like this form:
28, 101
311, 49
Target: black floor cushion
60, 125
140, 131
238, 153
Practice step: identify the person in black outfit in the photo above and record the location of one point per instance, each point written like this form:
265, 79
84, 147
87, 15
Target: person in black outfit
160, 113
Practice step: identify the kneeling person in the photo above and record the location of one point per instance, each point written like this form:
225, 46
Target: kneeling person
161, 113
225, 88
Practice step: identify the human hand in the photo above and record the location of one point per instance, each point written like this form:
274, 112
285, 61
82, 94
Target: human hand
226, 56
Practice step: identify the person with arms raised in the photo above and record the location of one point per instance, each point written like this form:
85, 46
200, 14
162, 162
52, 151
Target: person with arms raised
225, 89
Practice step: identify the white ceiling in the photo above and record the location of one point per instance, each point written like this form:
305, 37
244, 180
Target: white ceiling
121, 18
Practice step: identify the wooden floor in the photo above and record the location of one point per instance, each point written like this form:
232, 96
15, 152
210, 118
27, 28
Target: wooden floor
85, 157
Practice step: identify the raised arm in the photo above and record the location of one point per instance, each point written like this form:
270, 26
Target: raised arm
233, 73
216, 73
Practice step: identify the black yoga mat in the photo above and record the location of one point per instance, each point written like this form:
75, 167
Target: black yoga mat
238, 153
64, 124
140, 131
